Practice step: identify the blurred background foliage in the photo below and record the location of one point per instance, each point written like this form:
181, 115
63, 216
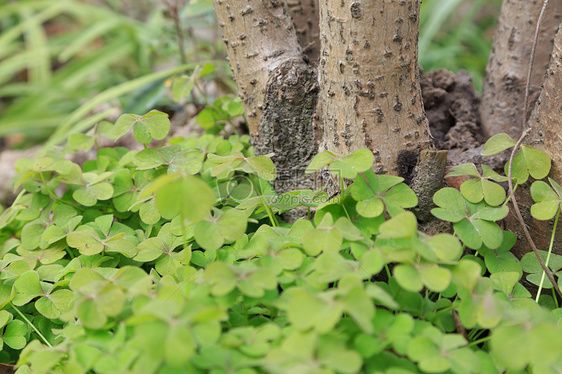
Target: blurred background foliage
457, 34
67, 64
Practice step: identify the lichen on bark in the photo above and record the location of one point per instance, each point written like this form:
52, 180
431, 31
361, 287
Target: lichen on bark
286, 123
278, 87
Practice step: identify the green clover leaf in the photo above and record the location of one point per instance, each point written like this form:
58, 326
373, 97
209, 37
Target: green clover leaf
473, 223
497, 143
529, 161
348, 166
481, 188
547, 199
153, 125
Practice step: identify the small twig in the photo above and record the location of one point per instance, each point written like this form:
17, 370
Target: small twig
532, 62
174, 13
512, 156
520, 217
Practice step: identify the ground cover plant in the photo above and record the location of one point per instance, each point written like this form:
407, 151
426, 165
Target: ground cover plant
176, 259
185, 256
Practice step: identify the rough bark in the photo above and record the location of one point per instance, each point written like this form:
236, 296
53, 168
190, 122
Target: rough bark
504, 86
545, 123
546, 118
370, 83
305, 16
278, 88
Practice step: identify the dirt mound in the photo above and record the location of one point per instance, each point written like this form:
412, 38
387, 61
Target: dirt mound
451, 104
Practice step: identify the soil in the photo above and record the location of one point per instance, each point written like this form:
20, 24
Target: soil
451, 105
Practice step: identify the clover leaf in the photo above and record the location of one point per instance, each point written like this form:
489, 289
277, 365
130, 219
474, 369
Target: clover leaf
96, 298
531, 265
436, 352
502, 259
497, 143
529, 161
547, 199
262, 166
482, 187
318, 311
373, 192
153, 125
154, 248
324, 238
14, 335
103, 235
177, 195
176, 158
28, 168
473, 223
348, 166
250, 282
230, 225
94, 187
414, 277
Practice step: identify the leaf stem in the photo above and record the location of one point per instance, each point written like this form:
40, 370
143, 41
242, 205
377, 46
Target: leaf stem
549, 252
51, 193
265, 205
483, 340
32, 326
342, 198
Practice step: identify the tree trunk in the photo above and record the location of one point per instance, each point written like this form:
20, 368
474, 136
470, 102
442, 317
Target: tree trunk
370, 82
278, 88
305, 15
545, 123
503, 93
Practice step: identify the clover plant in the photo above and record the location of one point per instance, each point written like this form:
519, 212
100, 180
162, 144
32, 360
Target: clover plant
176, 259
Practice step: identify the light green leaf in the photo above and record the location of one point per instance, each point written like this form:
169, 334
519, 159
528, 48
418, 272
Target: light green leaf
497, 143
466, 274
322, 240
408, 278
208, 235
307, 310
123, 125
14, 334
445, 246
319, 161
451, 203
188, 196
538, 162
490, 233
232, 224
435, 278
157, 123
467, 234
402, 196
223, 279
361, 160
263, 166
544, 210
370, 207
463, 169
403, 225
473, 190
